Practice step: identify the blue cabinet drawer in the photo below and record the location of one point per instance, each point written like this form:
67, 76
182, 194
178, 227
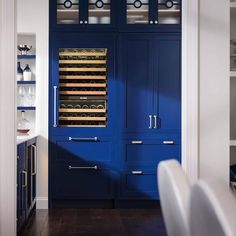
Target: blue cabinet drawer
139, 183
83, 152
71, 182
149, 154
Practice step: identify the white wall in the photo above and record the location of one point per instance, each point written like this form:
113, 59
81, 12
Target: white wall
214, 37
8, 118
32, 17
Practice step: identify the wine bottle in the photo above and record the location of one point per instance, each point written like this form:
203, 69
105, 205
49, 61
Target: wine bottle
19, 72
27, 73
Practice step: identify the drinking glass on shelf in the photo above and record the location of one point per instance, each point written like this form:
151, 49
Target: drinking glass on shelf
21, 96
31, 96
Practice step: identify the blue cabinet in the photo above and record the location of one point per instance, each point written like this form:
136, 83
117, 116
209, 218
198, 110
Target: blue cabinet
21, 186
83, 14
26, 180
31, 164
138, 165
122, 15
115, 97
150, 87
81, 181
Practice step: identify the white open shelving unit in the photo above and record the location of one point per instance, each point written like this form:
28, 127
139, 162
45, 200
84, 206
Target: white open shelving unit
26, 86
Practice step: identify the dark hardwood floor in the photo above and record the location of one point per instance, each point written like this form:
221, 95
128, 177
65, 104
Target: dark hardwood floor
97, 222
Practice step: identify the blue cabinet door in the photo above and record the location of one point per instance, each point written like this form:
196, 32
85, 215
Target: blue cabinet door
150, 83
83, 15
83, 152
167, 84
150, 16
139, 183
136, 83
71, 41
81, 182
21, 186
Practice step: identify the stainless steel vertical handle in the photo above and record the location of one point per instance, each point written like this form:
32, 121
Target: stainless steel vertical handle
35, 159
25, 179
155, 121
150, 121
55, 106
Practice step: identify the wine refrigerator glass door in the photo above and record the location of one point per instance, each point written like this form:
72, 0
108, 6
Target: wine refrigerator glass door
83, 83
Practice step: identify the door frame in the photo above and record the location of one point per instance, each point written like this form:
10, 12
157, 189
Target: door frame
8, 160
190, 88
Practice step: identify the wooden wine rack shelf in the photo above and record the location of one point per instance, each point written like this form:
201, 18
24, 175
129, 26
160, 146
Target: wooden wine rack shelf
82, 69
76, 85
83, 54
87, 62
83, 77
82, 110
83, 93
83, 118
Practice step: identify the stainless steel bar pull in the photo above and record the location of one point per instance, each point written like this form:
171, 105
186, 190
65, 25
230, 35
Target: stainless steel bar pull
25, 179
95, 139
137, 142
82, 167
155, 122
35, 159
54, 106
137, 172
150, 121
168, 142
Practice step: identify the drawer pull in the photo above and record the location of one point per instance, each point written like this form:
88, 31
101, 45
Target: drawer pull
137, 142
137, 172
82, 167
95, 139
168, 142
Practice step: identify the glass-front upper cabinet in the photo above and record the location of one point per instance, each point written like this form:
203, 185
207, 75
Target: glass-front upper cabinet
99, 12
84, 12
138, 11
150, 12
68, 12
169, 12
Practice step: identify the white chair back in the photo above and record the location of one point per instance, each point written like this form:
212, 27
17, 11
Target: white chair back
174, 190
213, 210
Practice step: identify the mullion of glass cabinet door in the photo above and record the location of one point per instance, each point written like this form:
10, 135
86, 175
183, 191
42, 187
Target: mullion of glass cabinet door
84, 12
